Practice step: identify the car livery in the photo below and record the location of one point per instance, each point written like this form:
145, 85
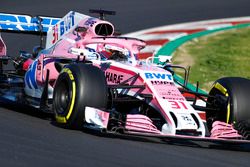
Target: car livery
91, 78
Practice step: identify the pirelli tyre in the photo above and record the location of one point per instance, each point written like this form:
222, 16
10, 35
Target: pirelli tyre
78, 86
232, 99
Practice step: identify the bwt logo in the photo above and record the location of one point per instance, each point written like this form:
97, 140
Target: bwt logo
162, 76
65, 25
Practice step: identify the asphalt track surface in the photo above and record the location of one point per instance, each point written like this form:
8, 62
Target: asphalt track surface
28, 138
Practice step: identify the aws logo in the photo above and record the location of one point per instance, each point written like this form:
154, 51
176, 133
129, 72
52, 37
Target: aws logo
158, 76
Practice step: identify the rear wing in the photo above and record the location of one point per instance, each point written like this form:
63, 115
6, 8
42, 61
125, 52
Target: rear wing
26, 23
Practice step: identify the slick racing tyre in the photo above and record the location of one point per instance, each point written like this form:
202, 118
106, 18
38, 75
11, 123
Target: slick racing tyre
231, 97
78, 86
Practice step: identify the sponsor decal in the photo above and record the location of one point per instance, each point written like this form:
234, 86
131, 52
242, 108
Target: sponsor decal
90, 22
158, 76
186, 118
67, 70
114, 78
172, 97
63, 26
221, 88
67, 23
55, 33
160, 82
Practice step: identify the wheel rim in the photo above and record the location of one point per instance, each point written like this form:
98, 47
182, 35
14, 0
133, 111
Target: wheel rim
62, 97
222, 114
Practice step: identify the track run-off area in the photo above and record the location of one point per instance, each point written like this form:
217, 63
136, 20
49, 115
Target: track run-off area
165, 40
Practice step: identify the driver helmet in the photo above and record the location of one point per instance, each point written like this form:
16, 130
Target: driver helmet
118, 56
113, 52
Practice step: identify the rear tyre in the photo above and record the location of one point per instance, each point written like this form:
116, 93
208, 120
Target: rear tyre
78, 86
233, 102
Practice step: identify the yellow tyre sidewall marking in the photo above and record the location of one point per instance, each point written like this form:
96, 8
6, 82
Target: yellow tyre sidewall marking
223, 90
62, 119
228, 112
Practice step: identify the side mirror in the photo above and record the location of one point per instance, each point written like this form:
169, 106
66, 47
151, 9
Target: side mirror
164, 58
80, 29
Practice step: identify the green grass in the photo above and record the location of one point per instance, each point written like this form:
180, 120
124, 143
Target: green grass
214, 56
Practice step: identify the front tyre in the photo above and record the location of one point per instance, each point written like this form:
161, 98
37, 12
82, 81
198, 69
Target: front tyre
78, 86
232, 98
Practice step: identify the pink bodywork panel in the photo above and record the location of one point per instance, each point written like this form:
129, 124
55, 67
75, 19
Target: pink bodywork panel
104, 116
96, 116
224, 130
169, 91
3, 50
43, 65
82, 39
126, 74
140, 123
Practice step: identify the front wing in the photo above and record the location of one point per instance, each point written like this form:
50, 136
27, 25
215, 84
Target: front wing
200, 142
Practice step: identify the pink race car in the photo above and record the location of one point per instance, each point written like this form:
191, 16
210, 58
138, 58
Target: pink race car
91, 78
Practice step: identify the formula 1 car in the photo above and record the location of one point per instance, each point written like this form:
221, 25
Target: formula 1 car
91, 78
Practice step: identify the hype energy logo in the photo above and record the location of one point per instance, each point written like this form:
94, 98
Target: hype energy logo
158, 76
17, 22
